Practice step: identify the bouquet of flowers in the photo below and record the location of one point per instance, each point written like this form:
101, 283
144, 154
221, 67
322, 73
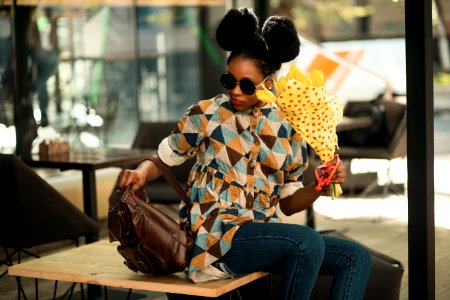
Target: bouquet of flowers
313, 114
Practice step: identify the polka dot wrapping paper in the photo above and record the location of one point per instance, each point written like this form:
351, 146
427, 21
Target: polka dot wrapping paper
309, 109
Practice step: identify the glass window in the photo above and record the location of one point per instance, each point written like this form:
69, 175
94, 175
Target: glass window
7, 132
92, 73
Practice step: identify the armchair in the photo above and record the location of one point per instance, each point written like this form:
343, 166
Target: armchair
386, 139
34, 213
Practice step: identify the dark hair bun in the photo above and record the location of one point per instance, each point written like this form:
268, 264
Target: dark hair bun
237, 28
277, 43
281, 38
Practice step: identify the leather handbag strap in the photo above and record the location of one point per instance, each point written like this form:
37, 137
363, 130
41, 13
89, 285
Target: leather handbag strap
170, 178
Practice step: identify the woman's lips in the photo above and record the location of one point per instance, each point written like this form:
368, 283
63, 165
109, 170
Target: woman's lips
236, 102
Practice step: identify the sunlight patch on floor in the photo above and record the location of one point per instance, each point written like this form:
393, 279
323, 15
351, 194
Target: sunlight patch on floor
377, 209
392, 207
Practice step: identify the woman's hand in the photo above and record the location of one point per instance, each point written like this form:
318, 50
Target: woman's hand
136, 178
146, 171
340, 175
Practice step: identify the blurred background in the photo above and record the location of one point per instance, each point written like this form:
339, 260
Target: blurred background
92, 71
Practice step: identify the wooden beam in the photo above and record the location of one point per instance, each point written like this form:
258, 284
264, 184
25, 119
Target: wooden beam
84, 3
420, 117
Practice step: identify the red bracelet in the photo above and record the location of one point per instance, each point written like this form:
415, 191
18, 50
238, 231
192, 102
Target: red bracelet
324, 173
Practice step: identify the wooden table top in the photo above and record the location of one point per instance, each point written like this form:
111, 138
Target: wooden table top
99, 263
91, 158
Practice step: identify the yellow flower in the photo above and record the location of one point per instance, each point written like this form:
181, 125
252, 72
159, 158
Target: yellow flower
317, 78
309, 109
280, 85
266, 95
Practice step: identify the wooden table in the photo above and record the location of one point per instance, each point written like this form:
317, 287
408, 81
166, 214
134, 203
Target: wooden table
99, 263
89, 160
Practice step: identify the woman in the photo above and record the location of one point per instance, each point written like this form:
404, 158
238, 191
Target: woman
249, 160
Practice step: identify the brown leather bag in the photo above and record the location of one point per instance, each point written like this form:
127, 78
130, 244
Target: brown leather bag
150, 240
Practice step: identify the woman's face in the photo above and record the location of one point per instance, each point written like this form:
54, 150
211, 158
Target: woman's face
240, 67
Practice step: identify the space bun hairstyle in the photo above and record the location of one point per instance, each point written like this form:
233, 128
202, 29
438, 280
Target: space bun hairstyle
277, 42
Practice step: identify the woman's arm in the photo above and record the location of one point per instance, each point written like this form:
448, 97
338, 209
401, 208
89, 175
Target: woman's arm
300, 200
138, 178
306, 196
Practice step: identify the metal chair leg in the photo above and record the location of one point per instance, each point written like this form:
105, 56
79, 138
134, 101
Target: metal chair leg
71, 290
20, 290
54, 289
129, 294
369, 188
9, 262
36, 288
82, 291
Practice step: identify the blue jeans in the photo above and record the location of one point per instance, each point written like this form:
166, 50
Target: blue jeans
299, 254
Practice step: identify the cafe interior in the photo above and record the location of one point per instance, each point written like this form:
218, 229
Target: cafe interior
89, 87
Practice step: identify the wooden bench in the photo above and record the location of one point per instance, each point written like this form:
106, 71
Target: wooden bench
99, 263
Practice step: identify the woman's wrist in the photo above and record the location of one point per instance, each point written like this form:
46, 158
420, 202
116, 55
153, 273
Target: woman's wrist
145, 168
322, 190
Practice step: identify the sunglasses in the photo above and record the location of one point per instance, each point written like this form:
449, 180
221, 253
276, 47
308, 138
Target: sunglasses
246, 85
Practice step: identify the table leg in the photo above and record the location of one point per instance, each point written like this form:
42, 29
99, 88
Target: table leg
310, 221
90, 209
90, 199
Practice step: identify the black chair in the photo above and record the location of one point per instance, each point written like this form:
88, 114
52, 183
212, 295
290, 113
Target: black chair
386, 139
34, 213
149, 136
384, 280
385, 276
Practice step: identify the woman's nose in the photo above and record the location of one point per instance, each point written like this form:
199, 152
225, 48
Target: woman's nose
236, 90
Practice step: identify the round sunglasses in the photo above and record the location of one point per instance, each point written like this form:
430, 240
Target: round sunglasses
246, 85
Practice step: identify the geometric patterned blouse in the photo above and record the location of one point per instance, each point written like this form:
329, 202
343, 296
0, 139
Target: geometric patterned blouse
246, 161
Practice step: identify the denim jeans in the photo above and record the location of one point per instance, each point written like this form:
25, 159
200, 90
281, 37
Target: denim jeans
299, 254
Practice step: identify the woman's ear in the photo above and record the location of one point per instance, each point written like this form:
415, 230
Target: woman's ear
270, 82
